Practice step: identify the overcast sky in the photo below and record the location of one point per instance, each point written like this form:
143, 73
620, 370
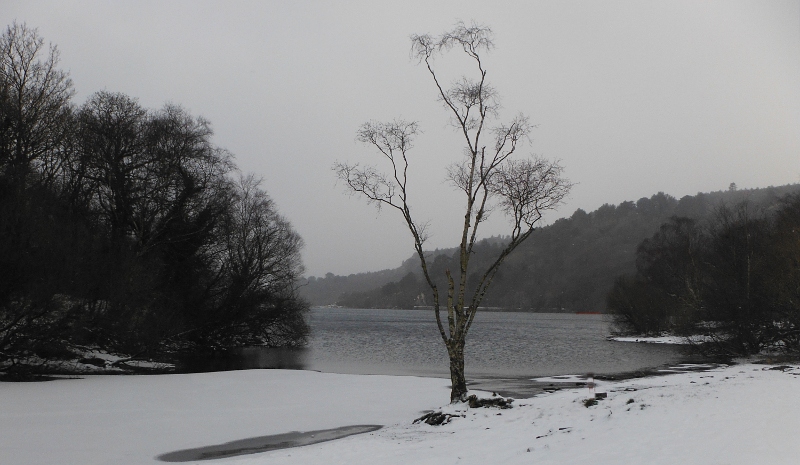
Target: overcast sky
633, 97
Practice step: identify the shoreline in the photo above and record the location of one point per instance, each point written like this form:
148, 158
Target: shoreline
136, 419
524, 387
737, 414
515, 386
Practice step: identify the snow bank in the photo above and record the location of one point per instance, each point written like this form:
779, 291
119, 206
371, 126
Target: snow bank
124, 420
92, 361
741, 414
663, 339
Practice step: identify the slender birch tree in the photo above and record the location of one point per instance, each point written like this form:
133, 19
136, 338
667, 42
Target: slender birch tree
488, 176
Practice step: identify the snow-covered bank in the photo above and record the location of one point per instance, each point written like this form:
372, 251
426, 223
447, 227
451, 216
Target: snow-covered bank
742, 414
123, 420
680, 340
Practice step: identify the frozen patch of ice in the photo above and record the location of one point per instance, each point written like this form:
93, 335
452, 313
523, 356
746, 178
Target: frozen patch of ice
561, 379
265, 443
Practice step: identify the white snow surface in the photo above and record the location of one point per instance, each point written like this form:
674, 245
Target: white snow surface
131, 419
666, 339
108, 360
742, 414
561, 379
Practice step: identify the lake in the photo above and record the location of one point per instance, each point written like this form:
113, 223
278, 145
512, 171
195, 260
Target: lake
499, 345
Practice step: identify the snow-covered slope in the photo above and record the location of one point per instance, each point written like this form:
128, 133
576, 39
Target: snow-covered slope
743, 414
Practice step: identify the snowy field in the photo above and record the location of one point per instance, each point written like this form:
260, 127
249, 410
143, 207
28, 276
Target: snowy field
129, 420
743, 414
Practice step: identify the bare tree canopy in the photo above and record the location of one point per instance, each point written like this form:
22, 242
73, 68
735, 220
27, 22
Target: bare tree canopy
488, 176
34, 96
128, 229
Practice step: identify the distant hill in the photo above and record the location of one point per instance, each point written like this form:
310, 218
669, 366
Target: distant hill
568, 266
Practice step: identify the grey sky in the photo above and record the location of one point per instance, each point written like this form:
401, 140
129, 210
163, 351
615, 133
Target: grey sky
634, 97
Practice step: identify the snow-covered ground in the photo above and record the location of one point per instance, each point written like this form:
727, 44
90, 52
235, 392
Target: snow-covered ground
131, 419
96, 361
666, 339
743, 414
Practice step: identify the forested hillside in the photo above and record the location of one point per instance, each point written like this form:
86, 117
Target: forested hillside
568, 266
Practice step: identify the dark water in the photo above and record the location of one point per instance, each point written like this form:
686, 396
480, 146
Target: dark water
500, 344
244, 359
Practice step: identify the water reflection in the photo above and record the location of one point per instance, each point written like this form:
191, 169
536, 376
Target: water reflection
245, 359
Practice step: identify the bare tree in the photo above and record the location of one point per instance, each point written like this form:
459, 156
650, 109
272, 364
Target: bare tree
488, 177
34, 103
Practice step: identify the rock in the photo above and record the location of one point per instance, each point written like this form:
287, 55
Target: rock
435, 418
499, 402
98, 362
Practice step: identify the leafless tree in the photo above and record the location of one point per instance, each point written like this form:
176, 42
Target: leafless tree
258, 265
488, 176
34, 104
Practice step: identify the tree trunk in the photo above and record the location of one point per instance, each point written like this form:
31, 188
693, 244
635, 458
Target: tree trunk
458, 391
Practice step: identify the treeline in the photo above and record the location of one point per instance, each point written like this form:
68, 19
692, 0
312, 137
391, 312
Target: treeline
733, 277
568, 266
127, 229
327, 290
411, 290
